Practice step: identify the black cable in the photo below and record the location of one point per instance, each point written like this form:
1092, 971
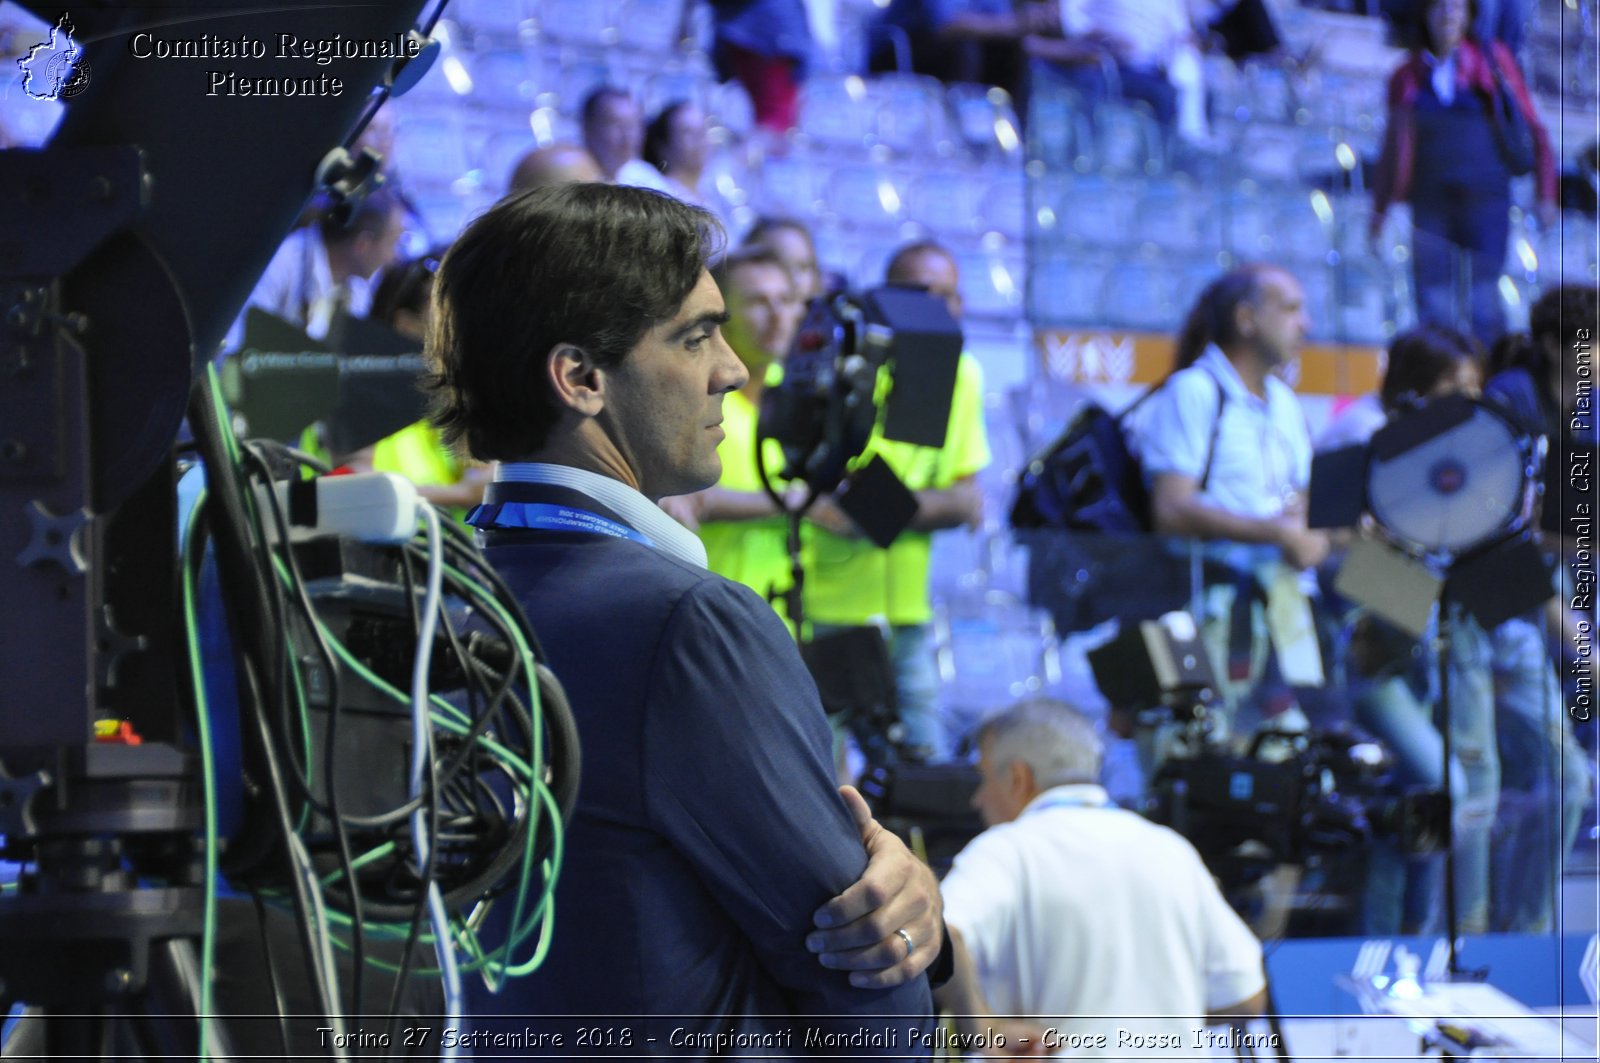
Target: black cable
305, 911
330, 732
309, 615
408, 953
459, 538
250, 619
281, 664
278, 1001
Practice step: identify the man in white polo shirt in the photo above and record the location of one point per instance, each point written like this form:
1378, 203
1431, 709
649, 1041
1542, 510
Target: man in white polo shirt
1105, 927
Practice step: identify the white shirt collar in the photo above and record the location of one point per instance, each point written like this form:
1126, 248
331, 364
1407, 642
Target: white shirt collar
641, 514
1443, 75
1218, 365
1082, 794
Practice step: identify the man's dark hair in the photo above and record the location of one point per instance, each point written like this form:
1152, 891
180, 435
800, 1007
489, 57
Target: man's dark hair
591, 265
658, 135
746, 255
406, 286
1212, 319
592, 102
1420, 358
1560, 312
907, 252
375, 213
767, 223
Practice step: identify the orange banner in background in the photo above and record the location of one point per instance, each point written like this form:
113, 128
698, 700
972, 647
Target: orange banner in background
1091, 356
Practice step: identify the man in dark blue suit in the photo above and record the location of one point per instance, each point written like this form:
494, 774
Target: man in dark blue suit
576, 342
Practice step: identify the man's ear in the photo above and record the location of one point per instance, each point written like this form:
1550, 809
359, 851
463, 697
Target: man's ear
1244, 319
1020, 774
577, 382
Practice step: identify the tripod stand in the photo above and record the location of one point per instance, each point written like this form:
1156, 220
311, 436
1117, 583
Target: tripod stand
109, 963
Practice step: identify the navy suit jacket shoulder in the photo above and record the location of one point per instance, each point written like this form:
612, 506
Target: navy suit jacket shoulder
708, 828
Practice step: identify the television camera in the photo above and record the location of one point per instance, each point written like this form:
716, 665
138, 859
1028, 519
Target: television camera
1298, 797
884, 360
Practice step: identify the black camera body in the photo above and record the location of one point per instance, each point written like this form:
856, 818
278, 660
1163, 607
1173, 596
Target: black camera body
1295, 798
824, 409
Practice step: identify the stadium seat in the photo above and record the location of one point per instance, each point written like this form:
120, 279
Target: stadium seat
1128, 140
838, 111
587, 22
868, 196
792, 184
1060, 135
1169, 214
507, 77
729, 106
1303, 229
496, 23
986, 119
1268, 151
654, 27
1091, 209
1139, 295
1005, 204
948, 199
432, 146
993, 279
910, 112
1064, 288
1241, 222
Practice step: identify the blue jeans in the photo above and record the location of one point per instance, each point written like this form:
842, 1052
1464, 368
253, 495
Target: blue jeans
1545, 781
1401, 893
916, 681
1458, 247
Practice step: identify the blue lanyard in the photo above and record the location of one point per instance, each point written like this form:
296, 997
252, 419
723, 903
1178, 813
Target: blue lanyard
543, 516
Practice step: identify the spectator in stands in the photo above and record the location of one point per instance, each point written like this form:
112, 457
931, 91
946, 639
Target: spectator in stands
765, 45
403, 301
1068, 906
852, 583
1505, 21
613, 131
958, 40
677, 144
792, 241
1145, 47
323, 269
1442, 154
745, 534
1243, 28
554, 164
1545, 774
1227, 456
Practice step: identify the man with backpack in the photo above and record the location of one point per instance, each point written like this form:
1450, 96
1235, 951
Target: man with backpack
1224, 410
1226, 456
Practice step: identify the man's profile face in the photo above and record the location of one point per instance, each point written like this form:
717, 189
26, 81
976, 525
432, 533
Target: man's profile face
615, 133
795, 248
1281, 320
689, 145
996, 797
764, 310
663, 404
373, 251
936, 272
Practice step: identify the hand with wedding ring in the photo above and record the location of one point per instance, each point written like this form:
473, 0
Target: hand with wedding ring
887, 928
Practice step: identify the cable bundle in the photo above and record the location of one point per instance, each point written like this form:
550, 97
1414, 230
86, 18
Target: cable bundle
374, 803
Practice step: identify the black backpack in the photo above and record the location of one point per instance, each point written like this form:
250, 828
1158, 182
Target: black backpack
1089, 480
